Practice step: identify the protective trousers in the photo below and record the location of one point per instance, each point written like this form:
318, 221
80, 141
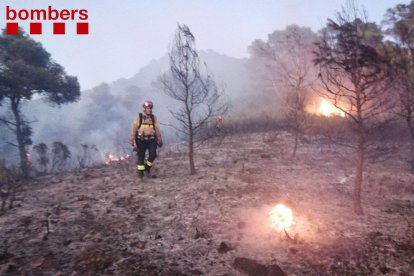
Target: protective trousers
143, 145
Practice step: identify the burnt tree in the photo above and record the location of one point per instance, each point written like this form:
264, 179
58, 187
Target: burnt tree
354, 76
194, 90
287, 59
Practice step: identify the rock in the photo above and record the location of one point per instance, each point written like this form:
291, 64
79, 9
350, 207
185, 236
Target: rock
275, 270
224, 248
253, 268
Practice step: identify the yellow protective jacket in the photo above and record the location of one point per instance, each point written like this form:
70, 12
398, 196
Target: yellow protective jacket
146, 130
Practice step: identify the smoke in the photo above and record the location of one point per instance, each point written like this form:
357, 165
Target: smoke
101, 119
258, 235
104, 115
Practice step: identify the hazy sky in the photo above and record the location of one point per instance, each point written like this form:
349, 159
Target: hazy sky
124, 35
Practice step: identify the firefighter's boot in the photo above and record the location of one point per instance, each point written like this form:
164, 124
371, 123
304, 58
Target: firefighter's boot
140, 171
140, 174
148, 166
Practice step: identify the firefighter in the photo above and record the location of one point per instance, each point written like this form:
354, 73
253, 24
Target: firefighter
218, 124
146, 135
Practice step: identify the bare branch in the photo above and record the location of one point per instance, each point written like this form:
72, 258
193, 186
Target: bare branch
194, 90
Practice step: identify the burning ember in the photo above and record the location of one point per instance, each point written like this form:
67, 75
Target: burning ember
281, 218
110, 158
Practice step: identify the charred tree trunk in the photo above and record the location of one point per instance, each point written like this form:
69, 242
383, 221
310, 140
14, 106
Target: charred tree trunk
298, 118
360, 155
359, 176
295, 130
191, 151
20, 138
190, 134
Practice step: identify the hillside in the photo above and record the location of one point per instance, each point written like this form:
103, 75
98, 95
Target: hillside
105, 221
104, 115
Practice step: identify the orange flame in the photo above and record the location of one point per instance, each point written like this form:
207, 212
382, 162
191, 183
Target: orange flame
328, 109
110, 158
281, 217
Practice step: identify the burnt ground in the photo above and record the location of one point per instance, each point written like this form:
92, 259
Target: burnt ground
105, 221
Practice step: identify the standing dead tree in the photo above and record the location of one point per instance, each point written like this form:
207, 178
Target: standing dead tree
354, 76
287, 56
196, 93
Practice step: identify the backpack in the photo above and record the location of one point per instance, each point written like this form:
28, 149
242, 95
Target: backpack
152, 119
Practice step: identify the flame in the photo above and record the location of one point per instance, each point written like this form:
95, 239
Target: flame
281, 217
328, 109
110, 158
29, 160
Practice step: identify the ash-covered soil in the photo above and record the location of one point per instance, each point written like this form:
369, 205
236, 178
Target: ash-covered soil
105, 221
